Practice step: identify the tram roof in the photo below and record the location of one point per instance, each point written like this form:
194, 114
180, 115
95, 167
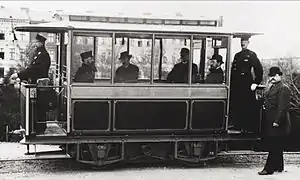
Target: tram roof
57, 27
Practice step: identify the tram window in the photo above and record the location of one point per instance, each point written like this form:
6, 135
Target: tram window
172, 66
139, 55
215, 64
103, 58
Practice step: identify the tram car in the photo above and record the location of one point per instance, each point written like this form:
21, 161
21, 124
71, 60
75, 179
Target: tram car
108, 120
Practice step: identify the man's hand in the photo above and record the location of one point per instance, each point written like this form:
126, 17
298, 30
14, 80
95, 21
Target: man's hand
14, 76
253, 87
275, 125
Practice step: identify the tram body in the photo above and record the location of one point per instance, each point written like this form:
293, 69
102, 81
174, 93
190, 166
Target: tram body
106, 121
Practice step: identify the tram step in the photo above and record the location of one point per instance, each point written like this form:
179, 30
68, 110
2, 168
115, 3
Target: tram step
51, 155
241, 152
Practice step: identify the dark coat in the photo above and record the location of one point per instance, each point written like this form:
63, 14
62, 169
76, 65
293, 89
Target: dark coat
246, 69
38, 68
215, 76
179, 73
86, 73
127, 74
276, 105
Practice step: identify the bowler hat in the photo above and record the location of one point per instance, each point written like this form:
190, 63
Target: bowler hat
86, 54
274, 70
125, 54
184, 51
217, 57
40, 38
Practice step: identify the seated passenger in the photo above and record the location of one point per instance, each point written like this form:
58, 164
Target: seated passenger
179, 73
86, 73
127, 72
216, 74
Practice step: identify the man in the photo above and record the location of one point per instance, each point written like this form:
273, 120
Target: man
179, 73
86, 73
216, 74
127, 72
38, 69
246, 74
277, 122
39, 62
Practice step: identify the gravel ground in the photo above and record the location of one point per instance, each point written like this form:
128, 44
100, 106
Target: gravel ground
14, 165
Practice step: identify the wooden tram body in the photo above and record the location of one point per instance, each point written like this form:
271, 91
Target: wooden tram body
106, 122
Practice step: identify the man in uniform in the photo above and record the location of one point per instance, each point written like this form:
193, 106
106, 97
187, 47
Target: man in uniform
127, 72
37, 69
179, 73
39, 64
277, 122
216, 74
86, 73
246, 74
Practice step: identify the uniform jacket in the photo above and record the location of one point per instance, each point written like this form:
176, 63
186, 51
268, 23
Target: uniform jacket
38, 68
179, 73
276, 106
246, 69
215, 76
86, 73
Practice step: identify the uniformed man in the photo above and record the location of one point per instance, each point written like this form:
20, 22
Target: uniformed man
179, 73
127, 72
277, 122
246, 74
38, 68
86, 73
39, 62
216, 74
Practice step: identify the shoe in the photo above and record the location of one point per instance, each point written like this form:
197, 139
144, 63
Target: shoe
264, 172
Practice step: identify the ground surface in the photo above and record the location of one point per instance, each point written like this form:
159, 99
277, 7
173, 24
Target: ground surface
15, 165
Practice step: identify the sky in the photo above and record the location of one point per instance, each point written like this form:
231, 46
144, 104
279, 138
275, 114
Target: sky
277, 20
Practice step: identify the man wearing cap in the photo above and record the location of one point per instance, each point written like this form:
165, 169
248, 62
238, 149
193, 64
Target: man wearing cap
216, 74
246, 74
277, 123
179, 73
39, 62
127, 72
86, 73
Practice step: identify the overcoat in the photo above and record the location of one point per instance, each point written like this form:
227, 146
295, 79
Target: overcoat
276, 108
38, 67
86, 73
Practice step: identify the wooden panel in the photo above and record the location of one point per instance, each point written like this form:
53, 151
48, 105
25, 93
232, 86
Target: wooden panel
115, 92
208, 114
91, 115
150, 115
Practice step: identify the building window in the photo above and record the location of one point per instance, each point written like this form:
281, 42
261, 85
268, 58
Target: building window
140, 43
22, 35
12, 53
2, 55
2, 36
50, 37
1, 72
22, 54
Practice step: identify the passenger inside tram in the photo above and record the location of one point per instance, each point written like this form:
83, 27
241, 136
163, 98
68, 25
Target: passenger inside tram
86, 73
179, 73
216, 74
127, 72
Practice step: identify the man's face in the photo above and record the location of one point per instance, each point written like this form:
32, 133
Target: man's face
125, 60
244, 44
88, 60
185, 57
214, 64
274, 79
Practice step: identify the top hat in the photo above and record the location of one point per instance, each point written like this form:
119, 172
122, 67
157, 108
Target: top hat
217, 57
125, 54
40, 38
274, 70
86, 54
